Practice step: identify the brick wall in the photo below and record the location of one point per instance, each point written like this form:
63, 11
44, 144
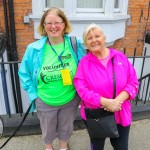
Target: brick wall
2, 27
24, 32
134, 35
136, 27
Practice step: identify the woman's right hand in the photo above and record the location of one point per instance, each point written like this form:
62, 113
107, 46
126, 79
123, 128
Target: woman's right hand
111, 105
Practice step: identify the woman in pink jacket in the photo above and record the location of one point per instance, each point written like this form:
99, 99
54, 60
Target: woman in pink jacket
94, 84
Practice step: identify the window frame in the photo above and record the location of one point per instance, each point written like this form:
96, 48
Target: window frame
73, 12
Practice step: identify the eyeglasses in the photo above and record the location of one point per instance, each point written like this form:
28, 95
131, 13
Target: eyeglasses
53, 23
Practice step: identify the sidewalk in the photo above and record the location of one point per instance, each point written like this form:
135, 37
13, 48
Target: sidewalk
139, 139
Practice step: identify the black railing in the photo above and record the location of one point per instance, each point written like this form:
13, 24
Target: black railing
144, 89
144, 79
10, 85
15, 100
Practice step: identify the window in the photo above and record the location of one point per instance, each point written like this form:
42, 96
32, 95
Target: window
90, 6
79, 8
111, 15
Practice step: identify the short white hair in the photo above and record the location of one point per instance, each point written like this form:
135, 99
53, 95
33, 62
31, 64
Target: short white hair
89, 28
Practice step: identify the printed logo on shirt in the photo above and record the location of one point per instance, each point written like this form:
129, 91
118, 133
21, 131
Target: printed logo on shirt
120, 63
66, 57
51, 78
53, 67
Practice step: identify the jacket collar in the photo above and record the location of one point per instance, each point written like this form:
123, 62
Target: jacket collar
39, 44
93, 58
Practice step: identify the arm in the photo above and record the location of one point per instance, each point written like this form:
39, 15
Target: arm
89, 96
132, 84
26, 75
122, 97
128, 92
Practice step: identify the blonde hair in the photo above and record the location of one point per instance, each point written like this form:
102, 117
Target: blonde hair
90, 28
58, 12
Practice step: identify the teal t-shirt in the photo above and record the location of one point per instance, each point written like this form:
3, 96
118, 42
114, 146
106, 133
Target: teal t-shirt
50, 85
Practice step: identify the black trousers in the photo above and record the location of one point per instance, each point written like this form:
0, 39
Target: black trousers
120, 143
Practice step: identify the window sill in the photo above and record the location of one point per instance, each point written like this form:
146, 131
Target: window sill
92, 17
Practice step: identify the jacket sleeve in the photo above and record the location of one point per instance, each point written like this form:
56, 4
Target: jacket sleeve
89, 97
132, 82
26, 75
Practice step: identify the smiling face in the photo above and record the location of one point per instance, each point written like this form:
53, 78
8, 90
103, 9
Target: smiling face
95, 40
54, 25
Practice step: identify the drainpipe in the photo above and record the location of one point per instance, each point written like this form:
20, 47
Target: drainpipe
8, 55
13, 56
3, 74
14, 53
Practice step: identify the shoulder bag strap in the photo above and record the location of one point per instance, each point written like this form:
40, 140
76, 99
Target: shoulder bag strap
114, 78
73, 41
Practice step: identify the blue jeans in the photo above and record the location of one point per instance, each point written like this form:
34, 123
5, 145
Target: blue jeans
120, 143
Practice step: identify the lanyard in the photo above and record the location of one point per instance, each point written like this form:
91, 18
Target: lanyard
59, 56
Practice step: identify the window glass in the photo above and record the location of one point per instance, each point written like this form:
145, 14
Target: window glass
116, 3
89, 3
54, 3
117, 6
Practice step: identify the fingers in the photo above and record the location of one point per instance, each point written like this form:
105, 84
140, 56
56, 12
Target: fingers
113, 106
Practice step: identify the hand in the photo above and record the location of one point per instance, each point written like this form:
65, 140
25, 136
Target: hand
111, 105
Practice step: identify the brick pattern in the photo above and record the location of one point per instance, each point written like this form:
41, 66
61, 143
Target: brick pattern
134, 35
24, 32
135, 28
2, 27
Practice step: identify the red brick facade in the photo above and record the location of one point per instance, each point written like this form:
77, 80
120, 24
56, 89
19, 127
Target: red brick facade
134, 35
135, 32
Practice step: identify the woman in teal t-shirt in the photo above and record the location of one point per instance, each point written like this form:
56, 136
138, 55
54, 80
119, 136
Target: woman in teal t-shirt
46, 73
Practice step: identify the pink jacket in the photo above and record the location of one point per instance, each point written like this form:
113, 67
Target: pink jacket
93, 80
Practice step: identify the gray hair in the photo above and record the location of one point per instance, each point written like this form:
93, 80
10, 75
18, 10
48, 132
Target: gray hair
89, 28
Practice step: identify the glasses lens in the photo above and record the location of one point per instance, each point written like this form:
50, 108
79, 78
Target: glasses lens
53, 23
